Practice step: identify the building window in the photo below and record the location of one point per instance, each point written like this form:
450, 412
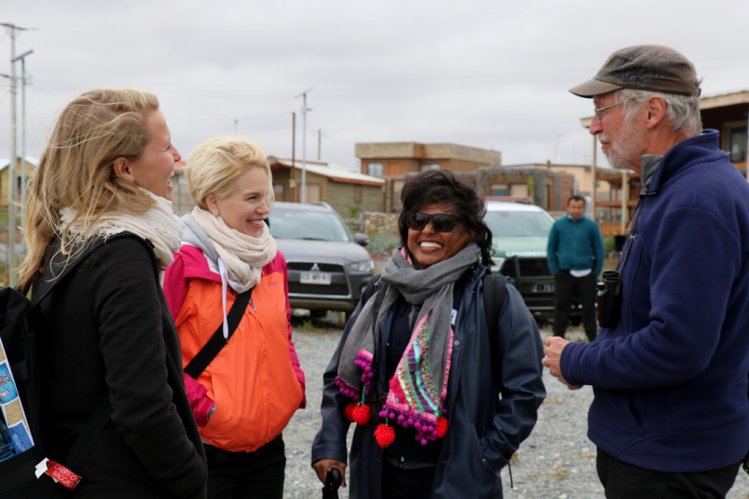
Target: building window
429, 166
737, 143
374, 169
515, 191
358, 194
519, 190
500, 190
278, 192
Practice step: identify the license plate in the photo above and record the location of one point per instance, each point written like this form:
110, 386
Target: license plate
543, 288
320, 278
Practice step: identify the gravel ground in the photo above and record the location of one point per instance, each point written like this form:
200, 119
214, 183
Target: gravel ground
556, 461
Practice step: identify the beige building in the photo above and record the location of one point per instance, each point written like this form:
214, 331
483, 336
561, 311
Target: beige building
392, 161
396, 159
22, 175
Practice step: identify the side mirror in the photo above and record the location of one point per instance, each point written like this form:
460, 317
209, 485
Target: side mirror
361, 239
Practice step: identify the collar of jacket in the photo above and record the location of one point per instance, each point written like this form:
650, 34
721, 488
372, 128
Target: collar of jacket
685, 154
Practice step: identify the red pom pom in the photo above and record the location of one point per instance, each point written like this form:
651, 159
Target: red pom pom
361, 414
385, 435
349, 412
441, 427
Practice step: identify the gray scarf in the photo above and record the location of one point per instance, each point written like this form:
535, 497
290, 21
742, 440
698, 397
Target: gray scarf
419, 387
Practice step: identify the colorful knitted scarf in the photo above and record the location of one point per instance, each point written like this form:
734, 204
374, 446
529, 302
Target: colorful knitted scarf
418, 389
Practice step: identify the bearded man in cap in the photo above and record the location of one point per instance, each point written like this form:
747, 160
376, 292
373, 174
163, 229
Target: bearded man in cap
670, 368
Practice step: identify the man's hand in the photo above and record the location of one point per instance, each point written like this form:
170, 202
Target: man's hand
553, 347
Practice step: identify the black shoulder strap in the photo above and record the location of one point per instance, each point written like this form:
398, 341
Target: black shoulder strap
495, 290
70, 266
214, 345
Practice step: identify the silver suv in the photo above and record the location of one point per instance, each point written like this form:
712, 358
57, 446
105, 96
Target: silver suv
328, 266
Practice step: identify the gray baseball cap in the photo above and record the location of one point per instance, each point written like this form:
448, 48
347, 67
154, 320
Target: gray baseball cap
643, 67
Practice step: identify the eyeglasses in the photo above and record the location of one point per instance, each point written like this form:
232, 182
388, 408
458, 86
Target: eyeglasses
600, 110
441, 222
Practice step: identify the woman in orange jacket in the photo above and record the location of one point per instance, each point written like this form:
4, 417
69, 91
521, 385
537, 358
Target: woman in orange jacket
249, 390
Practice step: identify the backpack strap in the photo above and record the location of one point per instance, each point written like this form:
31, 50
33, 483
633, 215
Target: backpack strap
217, 342
495, 291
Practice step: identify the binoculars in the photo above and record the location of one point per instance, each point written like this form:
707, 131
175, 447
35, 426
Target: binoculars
609, 299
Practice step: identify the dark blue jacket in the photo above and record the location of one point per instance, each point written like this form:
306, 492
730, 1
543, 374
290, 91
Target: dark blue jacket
670, 380
575, 245
484, 431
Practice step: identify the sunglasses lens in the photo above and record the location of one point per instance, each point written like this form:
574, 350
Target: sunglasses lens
443, 223
440, 222
417, 221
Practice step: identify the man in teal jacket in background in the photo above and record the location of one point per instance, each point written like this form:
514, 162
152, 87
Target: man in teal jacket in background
575, 257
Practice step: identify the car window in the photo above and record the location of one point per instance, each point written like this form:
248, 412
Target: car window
311, 225
518, 223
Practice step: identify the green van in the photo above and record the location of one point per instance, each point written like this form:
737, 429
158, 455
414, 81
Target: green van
520, 233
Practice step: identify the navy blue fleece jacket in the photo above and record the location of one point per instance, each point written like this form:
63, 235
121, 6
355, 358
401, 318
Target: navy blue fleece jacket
670, 380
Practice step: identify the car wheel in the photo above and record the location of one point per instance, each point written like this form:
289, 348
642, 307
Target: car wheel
318, 314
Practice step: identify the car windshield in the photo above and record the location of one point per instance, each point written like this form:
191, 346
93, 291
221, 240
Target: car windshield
310, 225
518, 223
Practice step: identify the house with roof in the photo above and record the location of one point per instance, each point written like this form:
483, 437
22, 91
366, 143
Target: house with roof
23, 170
347, 191
394, 161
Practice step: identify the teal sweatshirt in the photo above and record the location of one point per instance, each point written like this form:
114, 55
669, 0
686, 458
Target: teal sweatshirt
575, 245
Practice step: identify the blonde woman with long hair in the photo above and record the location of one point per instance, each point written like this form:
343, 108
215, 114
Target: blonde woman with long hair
103, 183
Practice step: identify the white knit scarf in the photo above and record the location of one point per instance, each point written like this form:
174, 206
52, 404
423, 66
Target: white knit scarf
158, 225
244, 256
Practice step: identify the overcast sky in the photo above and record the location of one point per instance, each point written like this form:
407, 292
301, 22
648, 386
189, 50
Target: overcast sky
485, 73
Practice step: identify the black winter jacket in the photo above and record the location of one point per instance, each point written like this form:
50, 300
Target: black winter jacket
489, 415
110, 335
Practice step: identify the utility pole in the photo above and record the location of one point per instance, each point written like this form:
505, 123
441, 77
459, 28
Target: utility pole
293, 139
11, 268
303, 95
22, 58
319, 143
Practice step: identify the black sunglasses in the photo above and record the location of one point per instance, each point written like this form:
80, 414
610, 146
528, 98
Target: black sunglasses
441, 222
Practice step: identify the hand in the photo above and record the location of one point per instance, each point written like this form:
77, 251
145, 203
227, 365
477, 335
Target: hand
553, 347
323, 465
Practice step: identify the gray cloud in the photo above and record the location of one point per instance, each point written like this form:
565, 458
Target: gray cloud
484, 73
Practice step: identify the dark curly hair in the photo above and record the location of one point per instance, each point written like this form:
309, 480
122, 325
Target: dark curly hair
441, 186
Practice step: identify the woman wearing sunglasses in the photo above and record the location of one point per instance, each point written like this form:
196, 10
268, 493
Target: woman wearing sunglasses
439, 405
